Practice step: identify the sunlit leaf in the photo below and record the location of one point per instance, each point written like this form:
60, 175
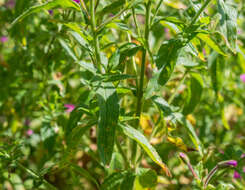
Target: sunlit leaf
144, 143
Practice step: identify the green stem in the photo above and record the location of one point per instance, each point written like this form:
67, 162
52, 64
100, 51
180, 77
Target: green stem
95, 36
157, 9
143, 61
200, 11
136, 23
35, 176
127, 166
110, 19
142, 75
177, 88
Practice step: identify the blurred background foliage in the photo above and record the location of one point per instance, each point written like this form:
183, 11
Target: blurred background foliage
41, 82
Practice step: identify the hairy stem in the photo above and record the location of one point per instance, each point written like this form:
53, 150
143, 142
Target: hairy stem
35, 176
142, 75
95, 36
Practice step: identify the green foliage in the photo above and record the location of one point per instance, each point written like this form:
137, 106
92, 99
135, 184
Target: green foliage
99, 94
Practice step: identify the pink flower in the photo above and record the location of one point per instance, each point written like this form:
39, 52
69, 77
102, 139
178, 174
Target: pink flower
242, 77
70, 107
51, 12
10, 4
29, 132
4, 39
77, 1
232, 163
236, 175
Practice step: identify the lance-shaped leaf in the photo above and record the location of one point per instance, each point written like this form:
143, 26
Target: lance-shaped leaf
114, 6
178, 117
211, 43
68, 49
47, 6
195, 92
216, 71
144, 143
228, 23
113, 181
166, 59
85, 173
108, 117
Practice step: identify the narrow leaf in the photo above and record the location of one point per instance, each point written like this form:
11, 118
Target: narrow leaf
47, 6
144, 143
210, 42
228, 23
178, 117
68, 49
195, 92
108, 117
166, 59
85, 173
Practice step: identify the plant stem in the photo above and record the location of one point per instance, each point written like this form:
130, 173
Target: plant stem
142, 74
95, 36
123, 155
107, 21
35, 176
210, 175
143, 61
200, 11
157, 9
177, 88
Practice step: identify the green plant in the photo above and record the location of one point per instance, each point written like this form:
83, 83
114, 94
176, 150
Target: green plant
115, 62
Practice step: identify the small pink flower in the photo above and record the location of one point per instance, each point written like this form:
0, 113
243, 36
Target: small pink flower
77, 1
232, 163
236, 175
242, 77
4, 39
51, 12
70, 107
167, 33
182, 155
243, 169
29, 132
10, 4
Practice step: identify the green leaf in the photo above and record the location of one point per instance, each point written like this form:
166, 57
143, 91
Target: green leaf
210, 42
76, 134
115, 5
87, 66
85, 173
114, 61
152, 86
147, 177
216, 71
128, 181
178, 117
228, 23
108, 117
166, 59
195, 92
113, 181
75, 116
83, 43
68, 49
144, 143
47, 6
48, 137
128, 50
